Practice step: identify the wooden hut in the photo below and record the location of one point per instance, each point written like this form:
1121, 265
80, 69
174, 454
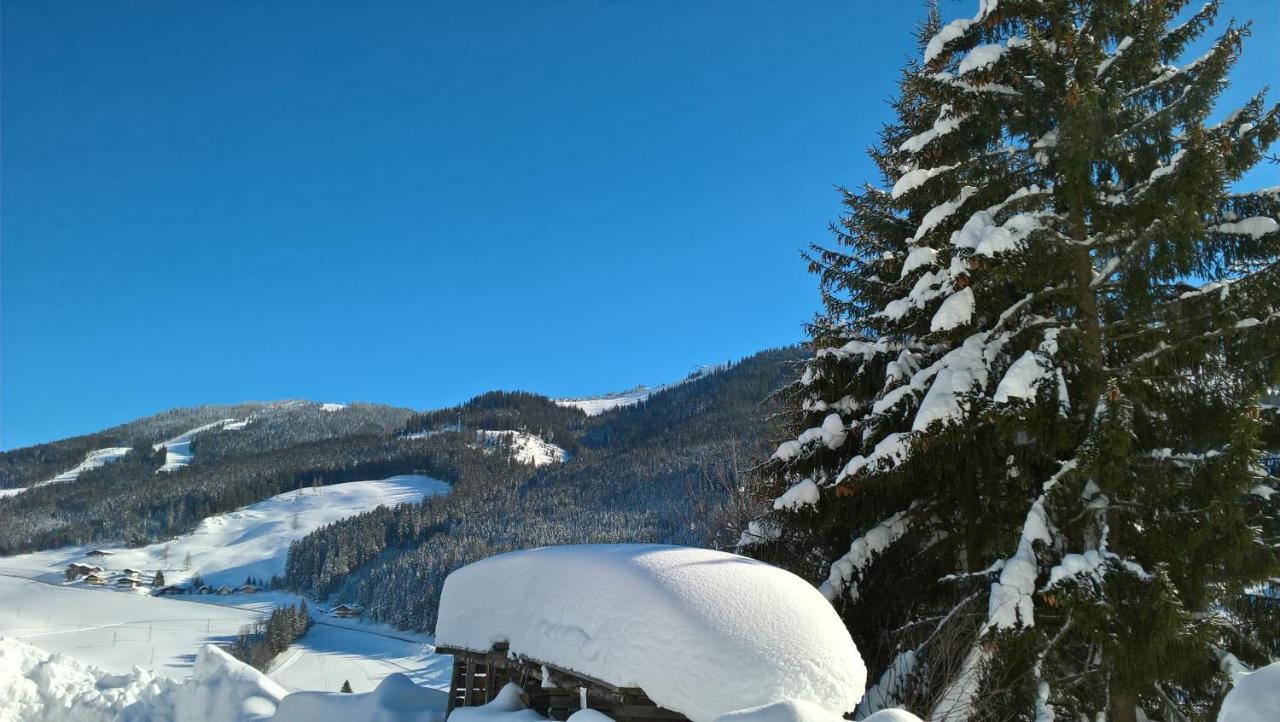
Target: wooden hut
345, 611
98, 553
249, 589
552, 691
94, 579
127, 582
170, 590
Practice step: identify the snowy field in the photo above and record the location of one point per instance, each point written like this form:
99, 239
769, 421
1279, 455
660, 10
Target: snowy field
114, 630
227, 548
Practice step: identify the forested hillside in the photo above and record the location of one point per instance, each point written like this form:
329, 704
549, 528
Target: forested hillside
665, 470
281, 446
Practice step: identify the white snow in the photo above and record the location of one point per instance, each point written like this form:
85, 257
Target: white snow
396, 699
980, 57
945, 123
1255, 697
955, 311
863, 550
1255, 227
804, 493
940, 213
595, 406
916, 178
525, 447
38, 686
505, 707
704, 633
251, 541
178, 449
1021, 380
332, 407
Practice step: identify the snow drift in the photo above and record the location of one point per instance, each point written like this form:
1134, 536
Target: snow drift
702, 632
1255, 697
396, 699
38, 686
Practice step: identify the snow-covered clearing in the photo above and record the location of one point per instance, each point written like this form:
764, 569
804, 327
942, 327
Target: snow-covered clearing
115, 630
525, 447
178, 449
596, 405
250, 542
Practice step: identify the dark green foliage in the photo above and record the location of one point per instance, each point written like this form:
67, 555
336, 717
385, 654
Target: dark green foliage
1031, 422
508, 410
259, 643
346, 686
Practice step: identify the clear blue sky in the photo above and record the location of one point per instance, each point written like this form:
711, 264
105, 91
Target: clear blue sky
413, 202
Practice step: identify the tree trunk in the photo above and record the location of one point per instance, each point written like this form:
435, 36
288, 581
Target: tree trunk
1124, 705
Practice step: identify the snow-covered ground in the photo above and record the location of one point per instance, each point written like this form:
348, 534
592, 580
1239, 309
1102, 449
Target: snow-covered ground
250, 542
92, 460
115, 630
178, 449
525, 447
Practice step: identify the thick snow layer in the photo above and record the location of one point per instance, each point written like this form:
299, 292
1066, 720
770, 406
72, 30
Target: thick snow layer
396, 699
702, 632
1255, 227
955, 311
359, 653
1255, 697
37, 686
332, 407
525, 447
223, 688
791, 710
251, 541
178, 449
892, 715
506, 707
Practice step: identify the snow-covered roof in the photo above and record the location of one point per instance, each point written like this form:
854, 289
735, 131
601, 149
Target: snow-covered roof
702, 632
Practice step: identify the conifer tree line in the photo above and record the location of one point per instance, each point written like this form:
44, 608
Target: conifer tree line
1025, 459
257, 644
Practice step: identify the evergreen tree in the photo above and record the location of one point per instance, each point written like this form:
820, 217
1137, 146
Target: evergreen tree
346, 686
1024, 459
158, 580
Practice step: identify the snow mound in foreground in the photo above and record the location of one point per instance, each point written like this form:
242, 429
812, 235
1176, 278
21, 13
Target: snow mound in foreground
38, 686
1255, 697
702, 632
506, 707
396, 699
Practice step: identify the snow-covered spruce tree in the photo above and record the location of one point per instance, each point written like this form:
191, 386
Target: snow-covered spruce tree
1024, 461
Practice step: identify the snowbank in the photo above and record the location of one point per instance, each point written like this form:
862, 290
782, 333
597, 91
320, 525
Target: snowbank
396, 699
38, 686
1255, 697
506, 707
704, 633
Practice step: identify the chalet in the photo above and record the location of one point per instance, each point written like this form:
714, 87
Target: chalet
75, 571
131, 573
98, 553
127, 583
345, 611
206, 589
224, 590
170, 590
249, 589
94, 579
717, 657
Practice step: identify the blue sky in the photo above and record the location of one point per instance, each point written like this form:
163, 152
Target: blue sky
413, 202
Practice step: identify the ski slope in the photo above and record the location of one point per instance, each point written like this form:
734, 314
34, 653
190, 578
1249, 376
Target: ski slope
178, 449
525, 447
252, 541
92, 460
596, 405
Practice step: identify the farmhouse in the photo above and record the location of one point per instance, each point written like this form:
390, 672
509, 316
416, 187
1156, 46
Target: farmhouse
170, 590
224, 590
75, 571
249, 589
98, 553
131, 573
643, 633
94, 579
345, 611
127, 583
